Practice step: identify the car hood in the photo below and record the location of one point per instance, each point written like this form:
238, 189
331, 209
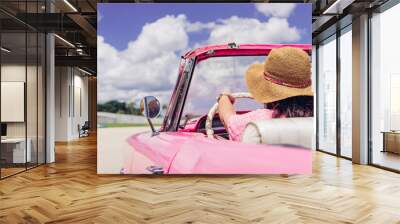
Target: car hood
193, 153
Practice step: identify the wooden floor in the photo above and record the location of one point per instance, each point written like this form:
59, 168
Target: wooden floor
10, 171
70, 191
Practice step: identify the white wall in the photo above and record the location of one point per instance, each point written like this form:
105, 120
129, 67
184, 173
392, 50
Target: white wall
17, 73
33, 125
62, 81
12, 100
9, 73
81, 83
71, 94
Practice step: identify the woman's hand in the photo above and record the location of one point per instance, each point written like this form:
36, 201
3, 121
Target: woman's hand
226, 94
225, 107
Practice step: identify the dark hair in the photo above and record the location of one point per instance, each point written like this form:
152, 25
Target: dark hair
297, 106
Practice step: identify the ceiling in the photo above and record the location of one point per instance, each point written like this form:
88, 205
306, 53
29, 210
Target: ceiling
75, 22
331, 15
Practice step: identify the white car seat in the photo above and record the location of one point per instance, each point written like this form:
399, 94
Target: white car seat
281, 131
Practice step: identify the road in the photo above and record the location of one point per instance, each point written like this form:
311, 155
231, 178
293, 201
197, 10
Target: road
112, 148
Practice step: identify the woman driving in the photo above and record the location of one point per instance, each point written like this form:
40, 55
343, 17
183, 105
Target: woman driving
282, 83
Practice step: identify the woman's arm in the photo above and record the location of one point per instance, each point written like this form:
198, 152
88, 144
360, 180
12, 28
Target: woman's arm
225, 108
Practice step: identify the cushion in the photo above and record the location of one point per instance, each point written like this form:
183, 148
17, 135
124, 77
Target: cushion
280, 131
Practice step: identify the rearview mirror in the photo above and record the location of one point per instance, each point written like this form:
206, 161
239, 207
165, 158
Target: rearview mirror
150, 108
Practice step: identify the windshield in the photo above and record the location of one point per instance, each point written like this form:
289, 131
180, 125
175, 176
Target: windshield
216, 75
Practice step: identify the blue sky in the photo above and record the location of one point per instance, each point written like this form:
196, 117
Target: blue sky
122, 22
139, 45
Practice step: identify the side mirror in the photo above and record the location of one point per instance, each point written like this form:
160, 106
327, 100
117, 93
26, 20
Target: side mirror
150, 108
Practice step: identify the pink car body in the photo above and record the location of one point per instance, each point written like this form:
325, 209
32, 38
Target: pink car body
185, 150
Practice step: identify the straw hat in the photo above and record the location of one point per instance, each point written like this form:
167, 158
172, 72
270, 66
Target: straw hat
285, 73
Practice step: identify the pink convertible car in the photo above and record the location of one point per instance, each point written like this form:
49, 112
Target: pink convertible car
199, 144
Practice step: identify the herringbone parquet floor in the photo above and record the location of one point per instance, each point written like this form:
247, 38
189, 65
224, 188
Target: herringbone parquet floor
70, 191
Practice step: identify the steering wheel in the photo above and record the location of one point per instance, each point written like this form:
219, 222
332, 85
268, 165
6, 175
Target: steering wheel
213, 110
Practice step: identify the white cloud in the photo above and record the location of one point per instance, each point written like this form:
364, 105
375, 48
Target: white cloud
276, 9
165, 35
198, 26
149, 65
249, 30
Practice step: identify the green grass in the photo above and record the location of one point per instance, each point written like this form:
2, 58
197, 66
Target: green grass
124, 125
